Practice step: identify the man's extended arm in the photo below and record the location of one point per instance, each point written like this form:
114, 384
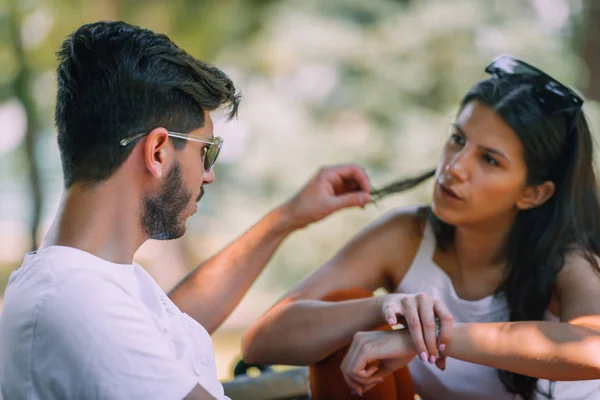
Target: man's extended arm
211, 292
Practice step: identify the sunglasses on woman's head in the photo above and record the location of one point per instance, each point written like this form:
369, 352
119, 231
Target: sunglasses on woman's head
552, 96
213, 147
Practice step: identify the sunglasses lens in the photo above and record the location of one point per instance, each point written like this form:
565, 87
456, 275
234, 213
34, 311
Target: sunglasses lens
211, 156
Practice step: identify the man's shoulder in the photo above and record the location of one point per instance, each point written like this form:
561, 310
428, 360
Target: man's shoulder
55, 298
44, 285
87, 296
82, 332
44, 313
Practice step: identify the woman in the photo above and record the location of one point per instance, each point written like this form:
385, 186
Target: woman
506, 258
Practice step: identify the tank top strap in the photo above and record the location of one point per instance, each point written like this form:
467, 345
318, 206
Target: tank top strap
422, 271
427, 245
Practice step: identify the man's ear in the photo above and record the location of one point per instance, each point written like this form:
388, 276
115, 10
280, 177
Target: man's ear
534, 196
155, 151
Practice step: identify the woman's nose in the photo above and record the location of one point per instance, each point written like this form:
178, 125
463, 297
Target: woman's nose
457, 168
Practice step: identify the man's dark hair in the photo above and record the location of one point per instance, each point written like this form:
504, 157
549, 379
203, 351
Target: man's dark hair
116, 80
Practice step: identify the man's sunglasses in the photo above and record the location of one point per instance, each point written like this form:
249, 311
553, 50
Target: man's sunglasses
212, 150
552, 96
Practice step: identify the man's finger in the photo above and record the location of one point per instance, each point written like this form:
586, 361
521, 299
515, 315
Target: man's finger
351, 172
354, 199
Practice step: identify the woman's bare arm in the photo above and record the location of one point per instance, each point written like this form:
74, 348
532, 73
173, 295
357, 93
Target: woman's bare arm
565, 350
568, 350
301, 329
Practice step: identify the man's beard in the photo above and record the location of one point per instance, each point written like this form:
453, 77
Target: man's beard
162, 213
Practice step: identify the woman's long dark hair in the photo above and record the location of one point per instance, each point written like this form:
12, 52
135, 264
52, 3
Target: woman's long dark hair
540, 238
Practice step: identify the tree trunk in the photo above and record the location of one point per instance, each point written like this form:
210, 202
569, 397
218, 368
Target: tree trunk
22, 89
591, 49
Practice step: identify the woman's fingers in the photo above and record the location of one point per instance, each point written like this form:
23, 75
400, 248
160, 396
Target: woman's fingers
354, 363
413, 321
390, 312
362, 381
359, 383
369, 387
441, 363
370, 369
418, 313
425, 306
446, 324
355, 387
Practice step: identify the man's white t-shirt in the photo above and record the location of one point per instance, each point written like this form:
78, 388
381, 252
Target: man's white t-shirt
74, 326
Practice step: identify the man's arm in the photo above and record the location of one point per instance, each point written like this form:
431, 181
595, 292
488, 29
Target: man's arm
211, 292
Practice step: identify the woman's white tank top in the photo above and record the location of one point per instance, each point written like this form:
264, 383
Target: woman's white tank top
463, 380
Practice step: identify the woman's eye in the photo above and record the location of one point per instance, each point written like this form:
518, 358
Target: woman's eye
456, 139
490, 160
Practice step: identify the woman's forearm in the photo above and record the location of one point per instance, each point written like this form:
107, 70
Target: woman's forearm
303, 332
548, 350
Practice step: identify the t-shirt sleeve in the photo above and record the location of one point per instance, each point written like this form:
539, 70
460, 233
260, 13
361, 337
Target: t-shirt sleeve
93, 340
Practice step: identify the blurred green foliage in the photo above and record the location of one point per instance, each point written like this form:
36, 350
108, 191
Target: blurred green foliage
324, 82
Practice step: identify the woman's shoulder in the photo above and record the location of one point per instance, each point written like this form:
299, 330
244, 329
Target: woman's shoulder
577, 282
400, 232
408, 222
579, 265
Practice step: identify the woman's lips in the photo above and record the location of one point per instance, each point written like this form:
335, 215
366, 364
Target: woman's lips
445, 189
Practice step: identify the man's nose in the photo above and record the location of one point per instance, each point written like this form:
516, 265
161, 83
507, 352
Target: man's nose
208, 177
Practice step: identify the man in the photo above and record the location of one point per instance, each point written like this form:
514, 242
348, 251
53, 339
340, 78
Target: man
80, 319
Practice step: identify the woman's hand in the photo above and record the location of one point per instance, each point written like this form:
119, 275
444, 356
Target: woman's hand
418, 313
374, 355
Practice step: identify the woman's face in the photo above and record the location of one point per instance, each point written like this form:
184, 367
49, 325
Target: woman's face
481, 175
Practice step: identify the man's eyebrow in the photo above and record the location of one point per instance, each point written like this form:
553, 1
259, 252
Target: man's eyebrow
488, 149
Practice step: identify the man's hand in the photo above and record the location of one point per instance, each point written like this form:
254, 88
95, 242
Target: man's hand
331, 189
374, 355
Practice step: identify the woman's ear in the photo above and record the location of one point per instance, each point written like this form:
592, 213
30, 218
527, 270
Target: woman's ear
534, 196
155, 149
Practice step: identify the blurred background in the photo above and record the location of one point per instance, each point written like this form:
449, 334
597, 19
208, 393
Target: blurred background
324, 82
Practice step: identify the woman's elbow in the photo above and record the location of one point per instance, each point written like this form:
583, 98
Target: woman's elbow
257, 343
250, 353
261, 340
